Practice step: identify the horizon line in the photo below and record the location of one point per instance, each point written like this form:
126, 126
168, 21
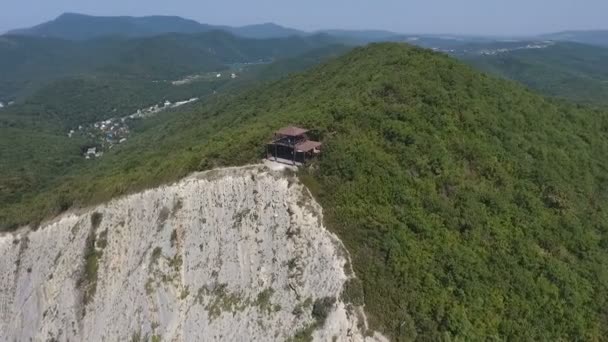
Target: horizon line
322, 30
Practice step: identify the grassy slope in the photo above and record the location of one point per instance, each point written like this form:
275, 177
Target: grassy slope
572, 71
473, 209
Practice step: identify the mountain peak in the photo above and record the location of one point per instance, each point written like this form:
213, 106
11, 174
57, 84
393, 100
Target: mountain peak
67, 15
77, 26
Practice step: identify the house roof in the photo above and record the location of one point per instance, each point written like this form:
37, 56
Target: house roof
291, 131
307, 146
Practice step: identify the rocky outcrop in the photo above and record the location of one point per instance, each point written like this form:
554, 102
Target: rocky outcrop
236, 254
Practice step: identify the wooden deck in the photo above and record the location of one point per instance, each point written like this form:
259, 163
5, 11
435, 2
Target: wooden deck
284, 161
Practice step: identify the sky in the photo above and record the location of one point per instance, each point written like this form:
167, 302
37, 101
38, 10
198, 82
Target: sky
477, 17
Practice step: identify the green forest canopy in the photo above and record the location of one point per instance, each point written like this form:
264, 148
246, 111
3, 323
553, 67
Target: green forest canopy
34, 144
29, 63
575, 72
473, 208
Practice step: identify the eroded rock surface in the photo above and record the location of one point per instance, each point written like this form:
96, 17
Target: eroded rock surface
236, 254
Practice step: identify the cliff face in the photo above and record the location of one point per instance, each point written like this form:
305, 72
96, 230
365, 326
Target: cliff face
234, 254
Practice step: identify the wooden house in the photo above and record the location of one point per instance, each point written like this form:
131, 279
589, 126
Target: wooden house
291, 145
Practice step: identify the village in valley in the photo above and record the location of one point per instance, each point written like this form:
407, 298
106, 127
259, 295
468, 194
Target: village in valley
194, 78
502, 47
108, 133
3, 105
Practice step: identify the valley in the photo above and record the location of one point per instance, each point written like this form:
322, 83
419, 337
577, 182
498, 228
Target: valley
107, 133
570, 71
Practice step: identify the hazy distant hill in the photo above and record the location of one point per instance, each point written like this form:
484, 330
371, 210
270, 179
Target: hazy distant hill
28, 62
68, 102
266, 30
364, 35
595, 37
79, 27
103, 42
74, 26
572, 71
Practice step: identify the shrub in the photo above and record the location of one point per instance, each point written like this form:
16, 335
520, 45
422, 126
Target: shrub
321, 309
353, 292
96, 218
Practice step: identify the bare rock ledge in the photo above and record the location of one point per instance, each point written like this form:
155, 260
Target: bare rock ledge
237, 254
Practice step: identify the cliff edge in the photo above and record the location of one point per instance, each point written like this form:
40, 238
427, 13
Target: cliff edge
237, 254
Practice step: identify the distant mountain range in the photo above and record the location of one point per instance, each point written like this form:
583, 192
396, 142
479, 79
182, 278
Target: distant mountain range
573, 71
28, 62
161, 47
597, 37
73, 26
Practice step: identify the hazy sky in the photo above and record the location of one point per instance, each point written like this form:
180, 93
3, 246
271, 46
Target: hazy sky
504, 17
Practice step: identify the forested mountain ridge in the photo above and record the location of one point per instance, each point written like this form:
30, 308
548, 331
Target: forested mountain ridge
572, 71
593, 37
34, 142
74, 26
472, 207
153, 43
29, 62
105, 92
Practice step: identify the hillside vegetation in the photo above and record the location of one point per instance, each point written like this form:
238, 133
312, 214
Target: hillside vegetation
29, 63
571, 71
75, 101
34, 144
473, 209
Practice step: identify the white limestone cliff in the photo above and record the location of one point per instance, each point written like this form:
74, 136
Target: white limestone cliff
236, 254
